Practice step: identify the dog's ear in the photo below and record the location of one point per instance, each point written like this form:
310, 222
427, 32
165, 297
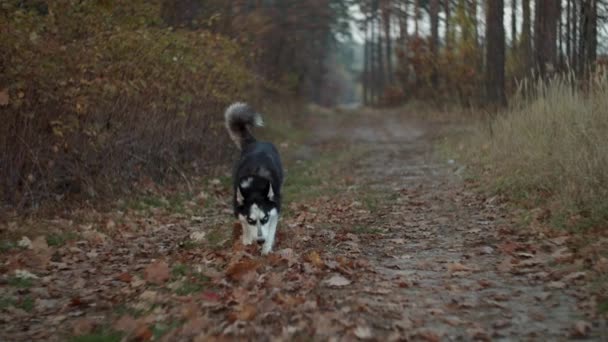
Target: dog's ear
270, 193
239, 196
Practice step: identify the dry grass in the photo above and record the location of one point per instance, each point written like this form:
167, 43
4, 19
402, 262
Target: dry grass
553, 148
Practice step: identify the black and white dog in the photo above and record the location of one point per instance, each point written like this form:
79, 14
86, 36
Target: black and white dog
257, 178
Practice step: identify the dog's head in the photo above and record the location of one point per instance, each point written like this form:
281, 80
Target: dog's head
256, 206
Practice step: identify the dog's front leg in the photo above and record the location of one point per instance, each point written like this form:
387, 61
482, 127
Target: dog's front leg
267, 247
248, 234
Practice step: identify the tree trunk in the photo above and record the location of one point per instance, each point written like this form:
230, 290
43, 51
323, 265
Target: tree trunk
513, 24
588, 36
366, 72
404, 37
446, 6
545, 35
389, 49
495, 53
434, 14
416, 16
575, 29
380, 59
568, 33
372, 55
526, 37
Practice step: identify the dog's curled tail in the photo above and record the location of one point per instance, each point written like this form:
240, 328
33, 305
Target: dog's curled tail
239, 117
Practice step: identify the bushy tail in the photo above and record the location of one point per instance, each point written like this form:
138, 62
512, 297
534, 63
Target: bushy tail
239, 117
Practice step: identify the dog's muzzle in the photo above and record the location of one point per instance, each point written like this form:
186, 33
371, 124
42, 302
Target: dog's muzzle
261, 241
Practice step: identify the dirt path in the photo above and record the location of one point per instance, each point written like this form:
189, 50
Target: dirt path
462, 269
380, 240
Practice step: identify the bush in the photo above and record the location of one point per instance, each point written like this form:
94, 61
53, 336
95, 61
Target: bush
99, 94
553, 147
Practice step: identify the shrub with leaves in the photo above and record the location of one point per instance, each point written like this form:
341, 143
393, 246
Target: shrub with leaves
96, 94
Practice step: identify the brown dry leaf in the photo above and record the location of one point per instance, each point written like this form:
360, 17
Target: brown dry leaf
83, 326
509, 247
429, 336
125, 277
39, 245
157, 272
506, 265
195, 325
143, 333
315, 259
336, 280
458, 267
581, 329
246, 312
126, 324
574, 276
288, 255
4, 97
238, 270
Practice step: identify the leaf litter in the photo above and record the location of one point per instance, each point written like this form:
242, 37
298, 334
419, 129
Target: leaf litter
422, 261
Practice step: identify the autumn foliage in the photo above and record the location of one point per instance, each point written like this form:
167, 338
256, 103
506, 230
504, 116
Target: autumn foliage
90, 108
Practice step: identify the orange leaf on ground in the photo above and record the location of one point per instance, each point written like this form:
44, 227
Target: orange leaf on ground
125, 277
237, 271
157, 272
246, 312
315, 259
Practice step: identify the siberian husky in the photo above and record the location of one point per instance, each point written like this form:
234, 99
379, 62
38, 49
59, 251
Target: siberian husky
257, 178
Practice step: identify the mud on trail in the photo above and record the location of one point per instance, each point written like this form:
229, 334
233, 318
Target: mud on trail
380, 240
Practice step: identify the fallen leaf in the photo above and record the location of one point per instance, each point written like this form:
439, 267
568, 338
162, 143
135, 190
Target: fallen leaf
246, 312
363, 332
39, 245
83, 326
198, 236
556, 285
25, 242
458, 267
288, 255
574, 276
125, 277
314, 258
143, 333
4, 97
581, 329
157, 272
237, 271
505, 266
126, 324
25, 274
428, 336
336, 280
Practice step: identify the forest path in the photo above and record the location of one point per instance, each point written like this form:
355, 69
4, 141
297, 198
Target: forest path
379, 240
446, 263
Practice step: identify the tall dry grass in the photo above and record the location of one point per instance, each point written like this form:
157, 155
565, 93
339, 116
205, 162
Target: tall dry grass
551, 146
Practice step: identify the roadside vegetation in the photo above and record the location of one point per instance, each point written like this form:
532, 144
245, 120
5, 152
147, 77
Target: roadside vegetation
551, 151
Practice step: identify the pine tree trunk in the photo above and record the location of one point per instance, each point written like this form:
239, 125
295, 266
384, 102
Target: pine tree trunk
416, 16
568, 33
446, 8
495, 53
545, 35
434, 13
513, 24
380, 59
366, 65
389, 48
